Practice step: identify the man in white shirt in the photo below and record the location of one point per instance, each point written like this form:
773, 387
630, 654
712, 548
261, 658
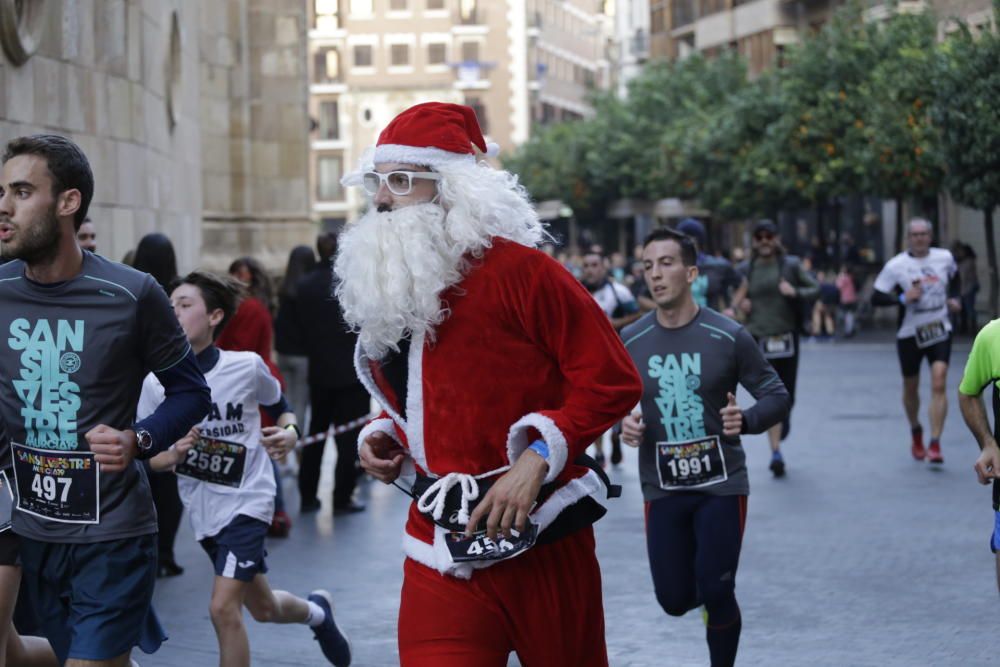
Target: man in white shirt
615, 299
920, 280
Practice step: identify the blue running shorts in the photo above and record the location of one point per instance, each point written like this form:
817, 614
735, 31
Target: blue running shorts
94, 601
237, 551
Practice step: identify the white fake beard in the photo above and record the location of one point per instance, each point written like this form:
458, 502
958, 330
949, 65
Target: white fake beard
392, 268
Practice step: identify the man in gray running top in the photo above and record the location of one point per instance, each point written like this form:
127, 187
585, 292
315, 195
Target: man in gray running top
691, 463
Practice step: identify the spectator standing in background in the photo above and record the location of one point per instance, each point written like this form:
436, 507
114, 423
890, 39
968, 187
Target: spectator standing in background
292, 360
86, 236
968, 276
335, 393
825, 308
848, 298
155, 255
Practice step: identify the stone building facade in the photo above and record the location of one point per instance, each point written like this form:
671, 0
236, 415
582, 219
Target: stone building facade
193, 114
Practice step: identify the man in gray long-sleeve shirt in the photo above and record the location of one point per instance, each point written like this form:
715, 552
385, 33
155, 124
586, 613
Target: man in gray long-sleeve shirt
691, 463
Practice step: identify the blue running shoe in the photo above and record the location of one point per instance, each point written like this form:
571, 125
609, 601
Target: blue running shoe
334, 644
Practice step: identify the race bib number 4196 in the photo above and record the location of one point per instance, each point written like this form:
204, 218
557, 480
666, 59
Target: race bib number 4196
931, 333
215, 461
690, 464
58, 485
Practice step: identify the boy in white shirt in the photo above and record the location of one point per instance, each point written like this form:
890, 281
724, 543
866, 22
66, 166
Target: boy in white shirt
226, 481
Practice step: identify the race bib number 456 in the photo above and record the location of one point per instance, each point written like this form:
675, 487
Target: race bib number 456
58, 485
479, 547
690, 464
215, 461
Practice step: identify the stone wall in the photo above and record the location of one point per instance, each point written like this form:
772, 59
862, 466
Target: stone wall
100, 76
255, 128
193, 113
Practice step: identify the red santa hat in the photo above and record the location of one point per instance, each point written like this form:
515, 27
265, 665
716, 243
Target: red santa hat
433, 134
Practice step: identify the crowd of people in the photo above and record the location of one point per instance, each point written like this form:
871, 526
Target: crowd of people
131, 395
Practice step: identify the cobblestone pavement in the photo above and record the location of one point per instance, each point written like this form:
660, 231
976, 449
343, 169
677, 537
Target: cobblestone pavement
860, 556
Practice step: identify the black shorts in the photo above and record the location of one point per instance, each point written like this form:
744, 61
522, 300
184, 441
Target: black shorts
10, 548
910, 355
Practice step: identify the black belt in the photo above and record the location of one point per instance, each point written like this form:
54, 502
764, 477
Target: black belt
588, 512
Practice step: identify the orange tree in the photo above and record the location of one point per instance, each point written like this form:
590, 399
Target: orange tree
902, 153
816, 146
967, 114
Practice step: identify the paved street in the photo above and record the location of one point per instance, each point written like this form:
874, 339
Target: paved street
861, 556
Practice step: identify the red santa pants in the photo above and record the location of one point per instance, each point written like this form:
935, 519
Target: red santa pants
545, 604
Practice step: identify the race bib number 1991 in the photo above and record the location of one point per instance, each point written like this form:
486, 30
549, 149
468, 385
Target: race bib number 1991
58, 485
690, 464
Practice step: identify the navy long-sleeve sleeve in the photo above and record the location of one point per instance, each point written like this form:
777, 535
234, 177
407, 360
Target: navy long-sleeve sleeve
760, 379
187, 399
275, 410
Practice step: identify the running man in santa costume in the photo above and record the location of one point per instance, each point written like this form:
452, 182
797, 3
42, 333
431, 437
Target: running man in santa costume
495, 369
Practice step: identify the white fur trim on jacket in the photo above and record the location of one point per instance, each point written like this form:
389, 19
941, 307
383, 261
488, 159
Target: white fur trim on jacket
517, 442
383, 425
437, 557
413, 427
365, 375
415, 402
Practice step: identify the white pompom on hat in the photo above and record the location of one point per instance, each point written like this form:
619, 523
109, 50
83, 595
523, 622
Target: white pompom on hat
433, 134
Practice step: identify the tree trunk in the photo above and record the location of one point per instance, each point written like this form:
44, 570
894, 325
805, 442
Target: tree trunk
899, 226
991, 252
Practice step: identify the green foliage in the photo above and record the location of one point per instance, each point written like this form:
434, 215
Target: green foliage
903, 157
968, 116
860, 107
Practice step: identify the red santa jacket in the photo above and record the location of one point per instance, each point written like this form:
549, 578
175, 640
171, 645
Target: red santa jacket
524, 353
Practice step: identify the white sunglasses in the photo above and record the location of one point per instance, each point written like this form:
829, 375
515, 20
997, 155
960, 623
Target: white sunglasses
399, 182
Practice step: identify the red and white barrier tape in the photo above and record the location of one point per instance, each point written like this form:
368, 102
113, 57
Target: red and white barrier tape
334, 430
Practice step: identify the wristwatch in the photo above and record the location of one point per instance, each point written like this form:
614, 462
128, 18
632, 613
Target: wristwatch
143, 440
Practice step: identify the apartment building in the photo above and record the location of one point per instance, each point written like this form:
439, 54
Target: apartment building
759, 29
570, 50
631, 41
518, 63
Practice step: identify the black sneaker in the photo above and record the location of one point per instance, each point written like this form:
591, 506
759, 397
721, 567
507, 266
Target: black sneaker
334, 644
309, 506
777, 466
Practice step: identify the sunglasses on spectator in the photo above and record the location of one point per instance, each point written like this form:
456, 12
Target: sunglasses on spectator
399, 182
763, 236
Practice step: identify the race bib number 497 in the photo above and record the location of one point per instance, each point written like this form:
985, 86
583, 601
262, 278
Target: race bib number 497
58, 485
215, 461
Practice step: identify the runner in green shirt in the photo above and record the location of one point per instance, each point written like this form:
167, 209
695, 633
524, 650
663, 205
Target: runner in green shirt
981, 370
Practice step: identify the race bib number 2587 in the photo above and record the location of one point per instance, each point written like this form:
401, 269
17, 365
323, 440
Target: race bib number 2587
215, 461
